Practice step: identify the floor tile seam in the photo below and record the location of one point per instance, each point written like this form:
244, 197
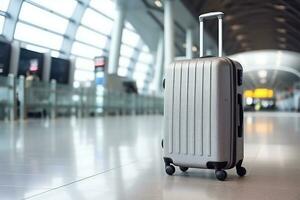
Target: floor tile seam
82, 179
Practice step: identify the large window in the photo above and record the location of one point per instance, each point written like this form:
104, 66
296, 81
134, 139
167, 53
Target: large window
38, 36
130, 38
89, 44
142, 68
91, 37
83, 76
107, 7
145, 58
135, 58
84, 70
42, 18
87, 51
1, 23
124, 66
3, 9
63, 7
122, 71
97, 21
126, 51
4, 5
42, 25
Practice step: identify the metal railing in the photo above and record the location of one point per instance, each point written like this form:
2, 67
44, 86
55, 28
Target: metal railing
20, 98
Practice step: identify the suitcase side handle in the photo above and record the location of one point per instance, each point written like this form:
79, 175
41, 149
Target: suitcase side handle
212, 15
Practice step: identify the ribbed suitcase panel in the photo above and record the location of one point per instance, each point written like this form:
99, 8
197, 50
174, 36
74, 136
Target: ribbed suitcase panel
199, 79
191, 115
190, 110
169, 108
177, 105
207, 108
184, 108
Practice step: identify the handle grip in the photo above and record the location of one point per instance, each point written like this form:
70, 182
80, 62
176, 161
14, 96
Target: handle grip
211, 15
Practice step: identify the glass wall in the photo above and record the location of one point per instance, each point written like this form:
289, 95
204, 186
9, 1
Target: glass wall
2, 18
4, 5
92, 38
3, 13
43, 23
42, 26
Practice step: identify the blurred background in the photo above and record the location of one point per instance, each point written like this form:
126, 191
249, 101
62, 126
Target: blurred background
82, 99
90, 57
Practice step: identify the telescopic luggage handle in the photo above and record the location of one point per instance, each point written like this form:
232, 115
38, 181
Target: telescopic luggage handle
211, 15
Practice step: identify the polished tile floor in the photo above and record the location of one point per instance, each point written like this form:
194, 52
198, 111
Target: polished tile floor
120, 158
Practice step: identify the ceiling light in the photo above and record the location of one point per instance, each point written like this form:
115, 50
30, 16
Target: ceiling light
240, 37
279, 7
262, 74
236, 27
228, 17
280, 19
76, 84
158, 3
244, 44
282, 39
281, 30
194, 49
282, 46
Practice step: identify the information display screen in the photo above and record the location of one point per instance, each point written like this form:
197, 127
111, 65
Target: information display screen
5, 53
100, 64
60, 69
30, 62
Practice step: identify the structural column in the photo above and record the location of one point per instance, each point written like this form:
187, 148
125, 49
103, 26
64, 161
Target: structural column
116, 38
189, 43
53, 99
12, 97
159, 64
14, 59
73, 25
47, 67
169, 31
72, 71
11, 21
22, 98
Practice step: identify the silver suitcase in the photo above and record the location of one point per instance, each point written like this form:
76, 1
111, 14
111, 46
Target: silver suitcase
203, 112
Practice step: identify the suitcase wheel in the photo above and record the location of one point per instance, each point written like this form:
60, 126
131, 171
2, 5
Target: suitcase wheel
170, 170
183, 169
221, 175
241, 171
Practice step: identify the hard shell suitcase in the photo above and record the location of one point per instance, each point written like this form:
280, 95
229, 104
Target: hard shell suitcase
203, 112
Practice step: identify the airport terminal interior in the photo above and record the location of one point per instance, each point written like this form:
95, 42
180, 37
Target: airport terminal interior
83, 107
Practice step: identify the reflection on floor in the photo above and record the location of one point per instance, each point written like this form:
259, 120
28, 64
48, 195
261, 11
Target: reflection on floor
120, 158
